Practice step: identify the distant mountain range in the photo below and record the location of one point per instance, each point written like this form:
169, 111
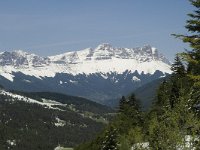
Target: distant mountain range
100, 74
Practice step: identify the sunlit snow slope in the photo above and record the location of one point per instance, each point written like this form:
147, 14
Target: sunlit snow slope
103, 58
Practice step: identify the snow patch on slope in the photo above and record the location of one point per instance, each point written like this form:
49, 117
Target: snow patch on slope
59, 122
11, 142
135, 78
8, 76
46, 103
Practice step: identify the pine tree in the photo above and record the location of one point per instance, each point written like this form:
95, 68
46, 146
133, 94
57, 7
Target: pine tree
193, 27
192, 57
133, 110
133, 102
163, 97
110, 141
178, 67
122, 103
176, 80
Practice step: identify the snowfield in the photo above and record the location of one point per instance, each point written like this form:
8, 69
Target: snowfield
103, 59
50, 104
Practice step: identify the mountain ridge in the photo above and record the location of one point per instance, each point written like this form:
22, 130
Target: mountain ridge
103, 59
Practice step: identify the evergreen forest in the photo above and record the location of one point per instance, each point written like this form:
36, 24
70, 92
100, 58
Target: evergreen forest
173, 121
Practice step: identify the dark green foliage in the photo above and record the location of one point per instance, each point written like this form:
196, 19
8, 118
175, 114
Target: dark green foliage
124, 143
129, 117
163, 96
32, 127
192, 58
133, 102
110, 141
122, 102
178, 68
171, 118
177, 80
193, 38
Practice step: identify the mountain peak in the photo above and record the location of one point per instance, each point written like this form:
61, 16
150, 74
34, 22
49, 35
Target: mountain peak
21, 59
151, 50
21, 52
104, 46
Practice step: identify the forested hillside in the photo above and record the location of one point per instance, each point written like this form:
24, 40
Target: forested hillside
33, 121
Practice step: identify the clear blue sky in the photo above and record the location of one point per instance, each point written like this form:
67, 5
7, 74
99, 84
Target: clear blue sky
48, 27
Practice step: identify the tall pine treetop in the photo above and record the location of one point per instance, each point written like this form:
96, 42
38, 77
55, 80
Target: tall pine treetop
192, 57
178, 67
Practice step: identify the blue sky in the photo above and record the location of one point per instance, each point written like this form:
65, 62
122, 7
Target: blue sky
48, 27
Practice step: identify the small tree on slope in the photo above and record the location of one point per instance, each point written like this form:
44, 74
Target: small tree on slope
110, 141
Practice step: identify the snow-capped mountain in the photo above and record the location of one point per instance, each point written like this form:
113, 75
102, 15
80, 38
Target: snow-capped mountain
105, 59
74, 72
22, 59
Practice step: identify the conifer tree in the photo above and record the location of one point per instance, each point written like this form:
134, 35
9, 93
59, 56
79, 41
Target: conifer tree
174, 95
162, 100
176, 80
192, 57
133, 111
178, 67
110, 141
133, 102
193, 38
122, 102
